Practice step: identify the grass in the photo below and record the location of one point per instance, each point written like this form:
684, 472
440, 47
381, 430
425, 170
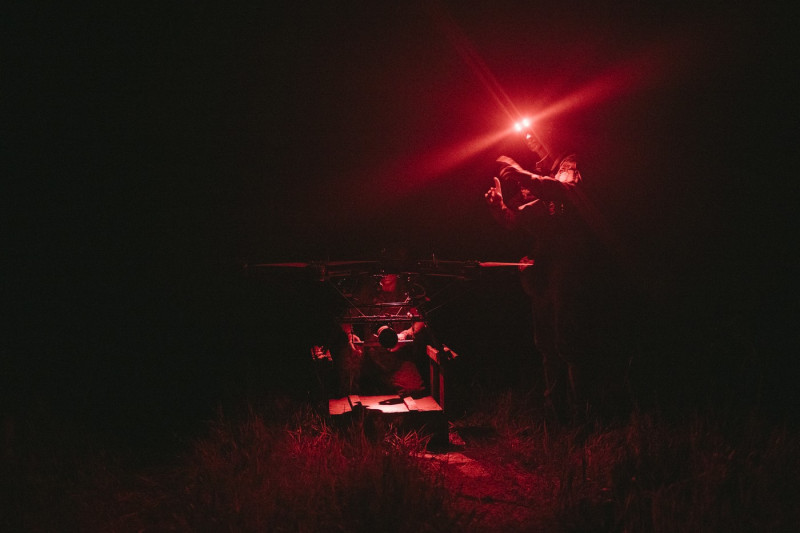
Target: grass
286, 468
281, 466
247, 473
705, 472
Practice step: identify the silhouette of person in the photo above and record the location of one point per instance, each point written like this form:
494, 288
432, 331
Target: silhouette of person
556, 276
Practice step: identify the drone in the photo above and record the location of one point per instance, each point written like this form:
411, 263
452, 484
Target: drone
355, 284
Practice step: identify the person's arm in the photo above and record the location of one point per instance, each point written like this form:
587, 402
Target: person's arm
543, 187
408, 334
549, 189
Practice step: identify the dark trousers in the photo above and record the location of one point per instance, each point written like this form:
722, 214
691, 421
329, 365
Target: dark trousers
562, 332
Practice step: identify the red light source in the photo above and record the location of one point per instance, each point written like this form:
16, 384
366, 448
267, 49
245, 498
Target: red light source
522, 125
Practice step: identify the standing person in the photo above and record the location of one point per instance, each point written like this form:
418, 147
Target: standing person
548, 210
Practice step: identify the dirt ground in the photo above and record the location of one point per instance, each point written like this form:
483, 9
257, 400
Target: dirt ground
503, 494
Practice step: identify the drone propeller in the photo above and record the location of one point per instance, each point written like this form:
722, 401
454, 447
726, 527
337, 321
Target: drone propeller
321, 270
281, 265
491, 264
312, 263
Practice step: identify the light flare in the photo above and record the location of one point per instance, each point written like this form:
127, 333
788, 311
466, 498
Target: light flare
445, 159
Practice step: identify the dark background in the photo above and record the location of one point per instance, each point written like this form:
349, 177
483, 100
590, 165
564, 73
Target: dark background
150, 151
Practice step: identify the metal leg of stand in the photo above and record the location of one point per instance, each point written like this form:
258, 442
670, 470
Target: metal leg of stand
437, 374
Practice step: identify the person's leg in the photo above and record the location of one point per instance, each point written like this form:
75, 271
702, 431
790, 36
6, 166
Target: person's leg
574, 339
537, 284
554, 370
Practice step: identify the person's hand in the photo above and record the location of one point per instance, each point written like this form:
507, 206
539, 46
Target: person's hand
494, 196
320, 353
355, 343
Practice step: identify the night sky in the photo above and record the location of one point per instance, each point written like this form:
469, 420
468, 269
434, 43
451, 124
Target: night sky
150, 151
